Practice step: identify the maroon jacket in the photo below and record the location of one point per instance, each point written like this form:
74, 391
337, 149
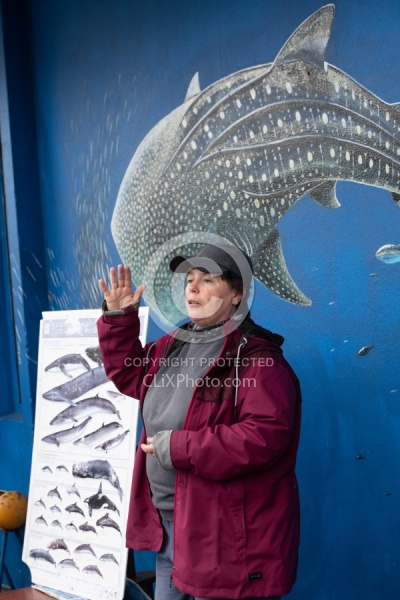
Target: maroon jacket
236, 517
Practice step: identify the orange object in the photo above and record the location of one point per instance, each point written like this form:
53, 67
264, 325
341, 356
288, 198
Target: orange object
13, 507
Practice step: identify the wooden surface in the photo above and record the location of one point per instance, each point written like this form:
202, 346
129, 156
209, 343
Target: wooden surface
27, 593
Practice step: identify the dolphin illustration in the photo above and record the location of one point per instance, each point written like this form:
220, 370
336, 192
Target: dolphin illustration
235, 157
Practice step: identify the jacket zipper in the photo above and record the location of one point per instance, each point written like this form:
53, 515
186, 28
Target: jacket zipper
242, 344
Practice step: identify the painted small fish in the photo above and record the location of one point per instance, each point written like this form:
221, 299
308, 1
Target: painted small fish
46, 469
388, 254
68, 359
40, 503
87, 406
66, 435
365, 350
55, 509
41, 520
71, 526
56, 524
106, 521
97, 469
69, 391
234, 158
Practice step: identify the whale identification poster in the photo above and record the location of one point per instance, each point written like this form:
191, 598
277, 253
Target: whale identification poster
83, 453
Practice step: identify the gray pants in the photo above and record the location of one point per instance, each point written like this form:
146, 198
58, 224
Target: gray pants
165, 589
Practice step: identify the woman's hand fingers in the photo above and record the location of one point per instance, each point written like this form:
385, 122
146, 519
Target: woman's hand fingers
114, 284
139, 292
120, 293
124, 277
103, 287
148, 448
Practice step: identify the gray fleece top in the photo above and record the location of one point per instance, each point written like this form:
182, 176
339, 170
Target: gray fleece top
165, 407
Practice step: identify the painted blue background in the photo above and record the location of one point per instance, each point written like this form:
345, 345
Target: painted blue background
84, 86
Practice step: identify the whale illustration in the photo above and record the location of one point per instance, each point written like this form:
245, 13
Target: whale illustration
70, 390
236, 156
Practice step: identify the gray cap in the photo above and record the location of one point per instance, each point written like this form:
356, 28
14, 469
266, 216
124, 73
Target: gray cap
216, 259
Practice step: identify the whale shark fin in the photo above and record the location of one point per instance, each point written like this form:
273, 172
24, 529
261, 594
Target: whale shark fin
271, 270
194, 87
396, 198
325, 194
308, 42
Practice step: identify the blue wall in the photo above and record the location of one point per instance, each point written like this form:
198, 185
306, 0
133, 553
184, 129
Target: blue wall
86, 84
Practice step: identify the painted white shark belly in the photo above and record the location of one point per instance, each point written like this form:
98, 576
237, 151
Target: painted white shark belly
234, 158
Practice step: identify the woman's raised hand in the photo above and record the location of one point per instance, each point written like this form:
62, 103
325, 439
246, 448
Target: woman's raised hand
121, 294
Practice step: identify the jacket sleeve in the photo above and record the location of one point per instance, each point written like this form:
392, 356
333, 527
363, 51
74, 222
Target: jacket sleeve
125, 360
268, 424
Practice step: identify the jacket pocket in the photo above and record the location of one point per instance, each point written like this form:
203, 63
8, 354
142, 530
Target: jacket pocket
231, 527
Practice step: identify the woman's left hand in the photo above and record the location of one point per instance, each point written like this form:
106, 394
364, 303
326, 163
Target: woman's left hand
148, 448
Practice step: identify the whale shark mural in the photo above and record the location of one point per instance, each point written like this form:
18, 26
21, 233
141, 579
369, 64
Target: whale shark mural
235, 157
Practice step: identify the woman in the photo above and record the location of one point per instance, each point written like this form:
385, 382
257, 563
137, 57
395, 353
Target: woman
214, 490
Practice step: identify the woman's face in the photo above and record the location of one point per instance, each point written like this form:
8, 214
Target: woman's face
209, 299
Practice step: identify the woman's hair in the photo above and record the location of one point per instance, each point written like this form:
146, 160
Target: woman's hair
236, 284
